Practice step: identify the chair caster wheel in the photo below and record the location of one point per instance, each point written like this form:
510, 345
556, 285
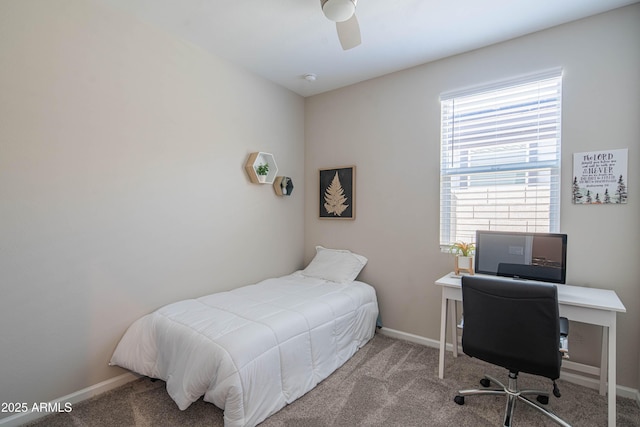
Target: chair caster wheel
459, 400
485, 382
543, 399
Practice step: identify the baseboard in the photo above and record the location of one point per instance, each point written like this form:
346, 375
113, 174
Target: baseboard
75, 397
412, 338
571, 377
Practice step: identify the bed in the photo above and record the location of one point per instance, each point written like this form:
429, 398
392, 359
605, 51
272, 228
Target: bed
255, 349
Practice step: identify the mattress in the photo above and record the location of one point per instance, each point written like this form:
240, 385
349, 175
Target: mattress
255, 349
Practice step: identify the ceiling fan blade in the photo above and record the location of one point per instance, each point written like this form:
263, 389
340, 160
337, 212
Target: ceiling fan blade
349, 33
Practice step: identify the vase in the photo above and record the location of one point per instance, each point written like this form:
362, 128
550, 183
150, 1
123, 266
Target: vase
463, 264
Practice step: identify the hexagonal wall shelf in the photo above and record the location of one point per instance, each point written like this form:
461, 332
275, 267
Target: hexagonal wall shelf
257, 159
283, 186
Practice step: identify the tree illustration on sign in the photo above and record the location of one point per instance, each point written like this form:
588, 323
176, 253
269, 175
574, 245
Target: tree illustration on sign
621, 192
334, 198
576, 191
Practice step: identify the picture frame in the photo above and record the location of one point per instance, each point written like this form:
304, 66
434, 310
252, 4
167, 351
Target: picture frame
337, 193
600, 177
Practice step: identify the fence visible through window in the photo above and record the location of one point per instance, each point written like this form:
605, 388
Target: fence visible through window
500, 164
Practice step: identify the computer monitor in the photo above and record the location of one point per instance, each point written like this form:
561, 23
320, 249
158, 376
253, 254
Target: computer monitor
533, 256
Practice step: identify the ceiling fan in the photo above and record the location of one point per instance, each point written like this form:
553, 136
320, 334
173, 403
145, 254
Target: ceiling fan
343, 13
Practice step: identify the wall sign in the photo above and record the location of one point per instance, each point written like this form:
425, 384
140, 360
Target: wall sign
600, 177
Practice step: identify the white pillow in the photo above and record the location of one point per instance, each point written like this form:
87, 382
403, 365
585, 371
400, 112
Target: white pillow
336, 265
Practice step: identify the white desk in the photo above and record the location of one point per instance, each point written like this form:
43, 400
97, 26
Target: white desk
587, 305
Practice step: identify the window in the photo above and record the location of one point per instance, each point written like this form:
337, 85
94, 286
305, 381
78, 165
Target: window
500, 158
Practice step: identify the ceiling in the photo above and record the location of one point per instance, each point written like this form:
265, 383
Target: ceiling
282, 40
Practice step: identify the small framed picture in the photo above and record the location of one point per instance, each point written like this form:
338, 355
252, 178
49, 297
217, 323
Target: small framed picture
600, 177
338, 193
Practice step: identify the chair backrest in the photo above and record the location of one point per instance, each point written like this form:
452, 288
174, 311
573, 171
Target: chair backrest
511, 323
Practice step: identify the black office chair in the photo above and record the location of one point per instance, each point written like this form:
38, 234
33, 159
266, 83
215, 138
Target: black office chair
516, 325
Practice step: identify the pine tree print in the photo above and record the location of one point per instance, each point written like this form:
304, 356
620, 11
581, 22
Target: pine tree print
607, 198
334, 198
621, 192
576, 191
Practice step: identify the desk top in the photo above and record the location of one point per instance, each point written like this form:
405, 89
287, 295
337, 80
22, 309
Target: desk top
603, 299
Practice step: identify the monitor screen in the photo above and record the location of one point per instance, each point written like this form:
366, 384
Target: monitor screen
533, 256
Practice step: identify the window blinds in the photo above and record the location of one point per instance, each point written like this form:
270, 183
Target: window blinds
500, 158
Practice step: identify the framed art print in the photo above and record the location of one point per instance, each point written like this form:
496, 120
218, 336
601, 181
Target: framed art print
337, 193
600, 177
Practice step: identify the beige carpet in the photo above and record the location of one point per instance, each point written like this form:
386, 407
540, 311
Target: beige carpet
388, 382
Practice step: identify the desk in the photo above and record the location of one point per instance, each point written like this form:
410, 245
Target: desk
586, 305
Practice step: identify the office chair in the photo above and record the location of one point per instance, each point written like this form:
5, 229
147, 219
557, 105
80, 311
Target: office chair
515, 325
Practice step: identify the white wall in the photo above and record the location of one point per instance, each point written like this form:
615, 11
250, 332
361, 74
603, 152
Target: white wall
389, 128
122, 186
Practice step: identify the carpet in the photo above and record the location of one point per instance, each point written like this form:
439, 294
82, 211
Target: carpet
389, 382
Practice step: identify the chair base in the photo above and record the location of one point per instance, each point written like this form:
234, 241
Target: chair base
513, 395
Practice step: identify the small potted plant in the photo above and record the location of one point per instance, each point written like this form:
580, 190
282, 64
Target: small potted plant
262, 170
464, 256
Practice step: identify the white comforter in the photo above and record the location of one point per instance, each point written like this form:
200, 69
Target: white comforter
252, 350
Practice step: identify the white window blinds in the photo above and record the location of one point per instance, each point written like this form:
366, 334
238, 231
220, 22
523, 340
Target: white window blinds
500, 158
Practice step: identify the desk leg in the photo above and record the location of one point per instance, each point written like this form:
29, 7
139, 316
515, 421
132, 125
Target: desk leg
454, 327
443, 331
612, 372
604, 361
